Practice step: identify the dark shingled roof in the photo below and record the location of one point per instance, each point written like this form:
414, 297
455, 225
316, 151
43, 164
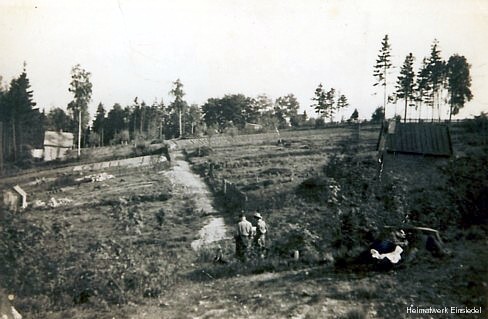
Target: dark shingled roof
419, 138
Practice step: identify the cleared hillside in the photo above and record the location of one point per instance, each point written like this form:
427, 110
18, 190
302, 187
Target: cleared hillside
121, 247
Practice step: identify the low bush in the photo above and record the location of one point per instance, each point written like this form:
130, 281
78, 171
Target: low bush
201, 151
355, 314
320, 189
64, 181
296, 237
477, 125
63, 270
140, 149
468, 188
319, 123
25, 159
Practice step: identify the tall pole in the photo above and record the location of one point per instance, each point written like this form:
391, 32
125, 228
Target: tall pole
79, 132
384, 93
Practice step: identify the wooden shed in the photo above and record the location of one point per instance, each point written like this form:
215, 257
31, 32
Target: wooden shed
416, 138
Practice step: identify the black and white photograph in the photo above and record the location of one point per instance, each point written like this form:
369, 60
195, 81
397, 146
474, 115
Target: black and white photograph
243, 159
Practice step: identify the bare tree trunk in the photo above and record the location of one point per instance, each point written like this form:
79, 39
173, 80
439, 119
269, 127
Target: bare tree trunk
405, 117
161, 129
14, 142
79, 132
141, 124
135, 122
181, 124
433, 106
384, 94
420, 111
450, 109
438, 106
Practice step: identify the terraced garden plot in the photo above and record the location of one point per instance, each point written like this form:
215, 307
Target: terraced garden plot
105, 243
263, 168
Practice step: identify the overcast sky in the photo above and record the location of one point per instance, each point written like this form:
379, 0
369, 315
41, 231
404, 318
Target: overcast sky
217, 47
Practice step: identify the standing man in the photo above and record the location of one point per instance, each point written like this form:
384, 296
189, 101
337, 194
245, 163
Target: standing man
260, 239
243, 237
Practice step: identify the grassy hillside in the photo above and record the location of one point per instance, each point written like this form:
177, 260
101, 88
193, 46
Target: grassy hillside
121, 247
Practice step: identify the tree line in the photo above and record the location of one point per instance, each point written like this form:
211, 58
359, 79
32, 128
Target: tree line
326, 105
142, 121
20, 120
22, 124
437, 83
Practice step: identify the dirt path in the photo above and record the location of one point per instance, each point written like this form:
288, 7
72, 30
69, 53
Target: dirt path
180, 174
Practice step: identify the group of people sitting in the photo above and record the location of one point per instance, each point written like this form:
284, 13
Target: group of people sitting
251, 239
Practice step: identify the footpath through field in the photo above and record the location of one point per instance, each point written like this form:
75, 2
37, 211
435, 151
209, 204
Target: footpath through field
181, 174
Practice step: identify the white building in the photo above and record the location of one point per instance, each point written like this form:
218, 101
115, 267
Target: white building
57, 144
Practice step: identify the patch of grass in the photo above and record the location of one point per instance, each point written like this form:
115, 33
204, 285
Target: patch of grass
365, 292
468, 188
355, 314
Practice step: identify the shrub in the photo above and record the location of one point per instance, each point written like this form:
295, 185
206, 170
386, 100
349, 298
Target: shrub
25, 159
319, 123
478, 124
297, 238
468, 188
64, 180
122, 137
94, 139
320, 189
201, 151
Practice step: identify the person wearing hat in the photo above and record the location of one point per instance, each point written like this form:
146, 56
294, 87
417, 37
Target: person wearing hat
243, 237
260, 238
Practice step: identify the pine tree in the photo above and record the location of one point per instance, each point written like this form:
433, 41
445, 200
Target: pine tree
19, 115
320, 100
354, 116
458, 83
99, 122
378, 115
423, 88
342, 102
117, 121
330, 106
406, 82
383, 64
436, 76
